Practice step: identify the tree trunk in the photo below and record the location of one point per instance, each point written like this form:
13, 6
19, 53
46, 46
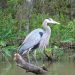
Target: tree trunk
72, 9
3, 3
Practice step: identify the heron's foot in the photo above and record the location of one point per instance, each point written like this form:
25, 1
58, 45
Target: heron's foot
36, 63
29, 61
44, 67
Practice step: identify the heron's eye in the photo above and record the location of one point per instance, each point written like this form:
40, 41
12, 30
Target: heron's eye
50, 19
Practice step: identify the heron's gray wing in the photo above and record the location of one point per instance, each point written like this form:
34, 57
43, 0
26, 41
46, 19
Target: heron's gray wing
32, 39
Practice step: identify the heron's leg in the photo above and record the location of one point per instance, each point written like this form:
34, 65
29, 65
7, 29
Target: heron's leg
44, 54
34, 56
28, 55
41, 52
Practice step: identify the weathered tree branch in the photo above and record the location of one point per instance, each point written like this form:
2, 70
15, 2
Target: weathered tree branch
27, 66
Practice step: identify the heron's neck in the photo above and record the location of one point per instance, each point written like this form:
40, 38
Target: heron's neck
46, 27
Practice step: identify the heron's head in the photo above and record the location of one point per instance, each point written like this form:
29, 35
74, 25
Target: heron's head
51, 21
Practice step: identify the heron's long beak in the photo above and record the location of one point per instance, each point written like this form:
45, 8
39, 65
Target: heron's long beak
54, 22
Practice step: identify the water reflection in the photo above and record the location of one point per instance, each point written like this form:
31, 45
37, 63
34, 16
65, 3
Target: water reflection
58, 68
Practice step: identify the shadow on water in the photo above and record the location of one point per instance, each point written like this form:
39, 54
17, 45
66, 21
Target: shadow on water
57, 68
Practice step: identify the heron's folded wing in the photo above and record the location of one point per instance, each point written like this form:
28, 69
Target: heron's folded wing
32, 39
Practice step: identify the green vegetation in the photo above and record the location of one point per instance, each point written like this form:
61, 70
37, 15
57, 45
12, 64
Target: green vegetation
17, 20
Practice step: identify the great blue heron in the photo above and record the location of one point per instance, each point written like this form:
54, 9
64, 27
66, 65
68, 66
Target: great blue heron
38, 38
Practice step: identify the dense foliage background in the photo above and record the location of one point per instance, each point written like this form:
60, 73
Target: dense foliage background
19, 17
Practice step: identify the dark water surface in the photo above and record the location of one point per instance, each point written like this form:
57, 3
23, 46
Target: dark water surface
57, 68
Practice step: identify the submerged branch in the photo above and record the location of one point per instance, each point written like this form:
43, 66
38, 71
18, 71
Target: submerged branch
27, 66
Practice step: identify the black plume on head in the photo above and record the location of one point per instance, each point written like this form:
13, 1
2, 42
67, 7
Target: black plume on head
50, 19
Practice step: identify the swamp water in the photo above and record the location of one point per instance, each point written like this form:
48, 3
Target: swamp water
57, 68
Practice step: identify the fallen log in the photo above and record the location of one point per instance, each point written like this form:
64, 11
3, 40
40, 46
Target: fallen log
27, 66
